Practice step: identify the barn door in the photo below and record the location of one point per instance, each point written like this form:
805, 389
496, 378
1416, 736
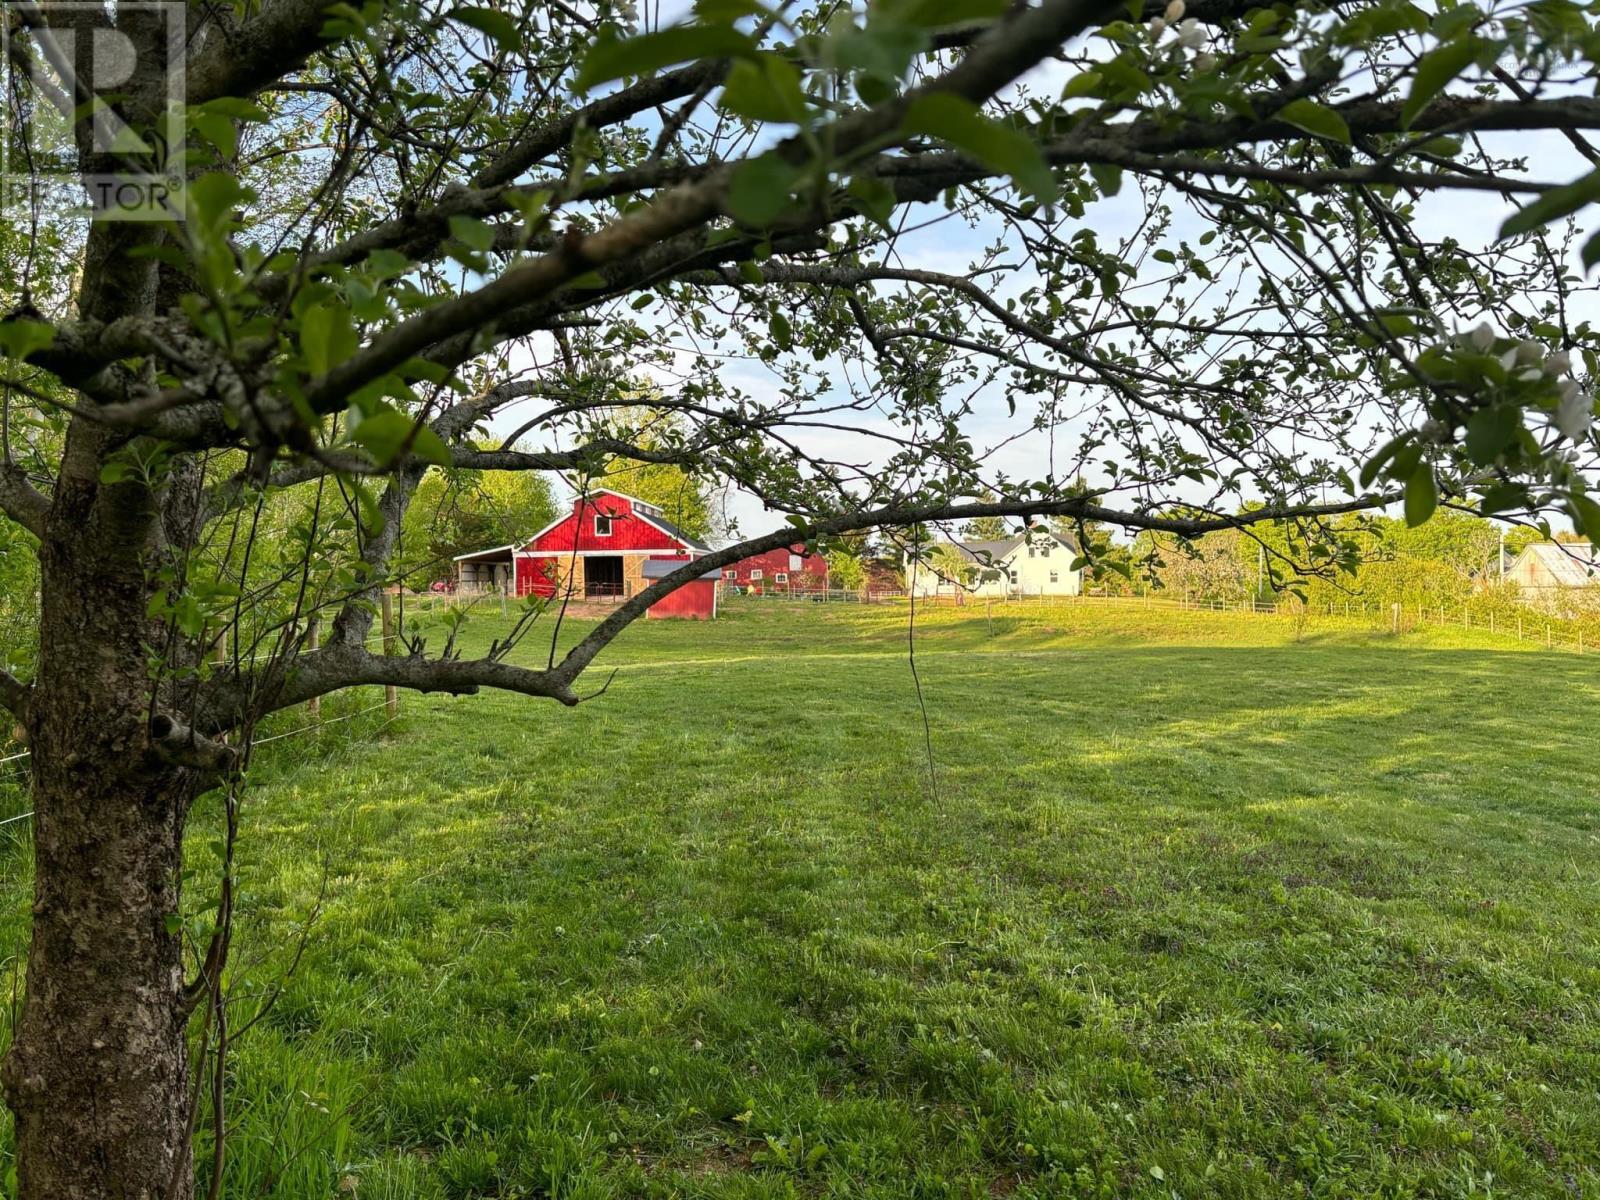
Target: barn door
602, 575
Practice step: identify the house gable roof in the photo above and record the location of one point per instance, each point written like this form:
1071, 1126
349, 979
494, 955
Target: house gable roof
660, 568
642, 509
995, 552
1569, 564
672, 531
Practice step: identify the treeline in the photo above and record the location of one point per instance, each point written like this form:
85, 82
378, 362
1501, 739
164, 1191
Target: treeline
1452, 559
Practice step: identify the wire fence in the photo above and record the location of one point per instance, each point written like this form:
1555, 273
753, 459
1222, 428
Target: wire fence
312, 727
1492, 612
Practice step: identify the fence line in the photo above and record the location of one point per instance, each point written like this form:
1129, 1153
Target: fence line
1524, 624
258, 742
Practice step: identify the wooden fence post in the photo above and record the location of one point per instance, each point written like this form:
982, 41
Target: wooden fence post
1547, 635
391, 698
1395, 611
1519, 627
313, 705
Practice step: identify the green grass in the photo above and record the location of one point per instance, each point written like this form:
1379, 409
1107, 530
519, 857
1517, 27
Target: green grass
1196, 908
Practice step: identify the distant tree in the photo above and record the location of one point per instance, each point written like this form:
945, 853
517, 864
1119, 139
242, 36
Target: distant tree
19, 597
846, 570
458, 511
687, 500
687, 497
986, 529
950, 564
1208, 568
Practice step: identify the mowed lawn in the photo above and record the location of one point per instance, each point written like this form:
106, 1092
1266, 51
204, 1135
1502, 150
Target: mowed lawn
1189, 906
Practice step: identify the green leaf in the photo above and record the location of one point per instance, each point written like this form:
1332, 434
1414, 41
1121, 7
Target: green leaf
386, 433
956, 121
1422, 495
1085, 83
21, 337
766, 88
496, 24
873, 197
1555, 203
1107, 177
1490, 431
471, 232
1315, 119
1435, 70
1586, 515
613, 57
218, 130
781, 331
213, 197
1591, 252
758, 191
327, 336
1375, 464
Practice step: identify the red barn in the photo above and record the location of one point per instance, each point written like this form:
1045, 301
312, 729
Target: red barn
787, 570
600, 548
696, 599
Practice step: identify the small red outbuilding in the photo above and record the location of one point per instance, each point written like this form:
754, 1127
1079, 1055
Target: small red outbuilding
696, 599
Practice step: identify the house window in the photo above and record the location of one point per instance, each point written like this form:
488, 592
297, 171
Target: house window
756, 574
1054, 578
1044, 551
602, 526
794, 562
1032, 550
730, 573
780, 577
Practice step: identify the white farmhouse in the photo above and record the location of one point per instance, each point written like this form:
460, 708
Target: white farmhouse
1038, 564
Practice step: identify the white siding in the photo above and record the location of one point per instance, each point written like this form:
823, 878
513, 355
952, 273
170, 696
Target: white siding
1033, 571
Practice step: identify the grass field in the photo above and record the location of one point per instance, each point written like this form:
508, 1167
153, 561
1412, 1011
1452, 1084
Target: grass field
1191, 906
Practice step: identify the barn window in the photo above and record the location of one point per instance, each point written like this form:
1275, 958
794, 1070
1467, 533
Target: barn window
730, 573
602, 526
780, 577
756, 574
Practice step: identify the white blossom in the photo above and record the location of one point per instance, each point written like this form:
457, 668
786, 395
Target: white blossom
1575, 413
1190, 35
1558, 363
1530, 353
1158, 26
1174, 12
1482, 337
1205, 61
1509, 358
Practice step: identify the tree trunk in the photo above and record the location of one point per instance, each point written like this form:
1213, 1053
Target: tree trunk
97, 1075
